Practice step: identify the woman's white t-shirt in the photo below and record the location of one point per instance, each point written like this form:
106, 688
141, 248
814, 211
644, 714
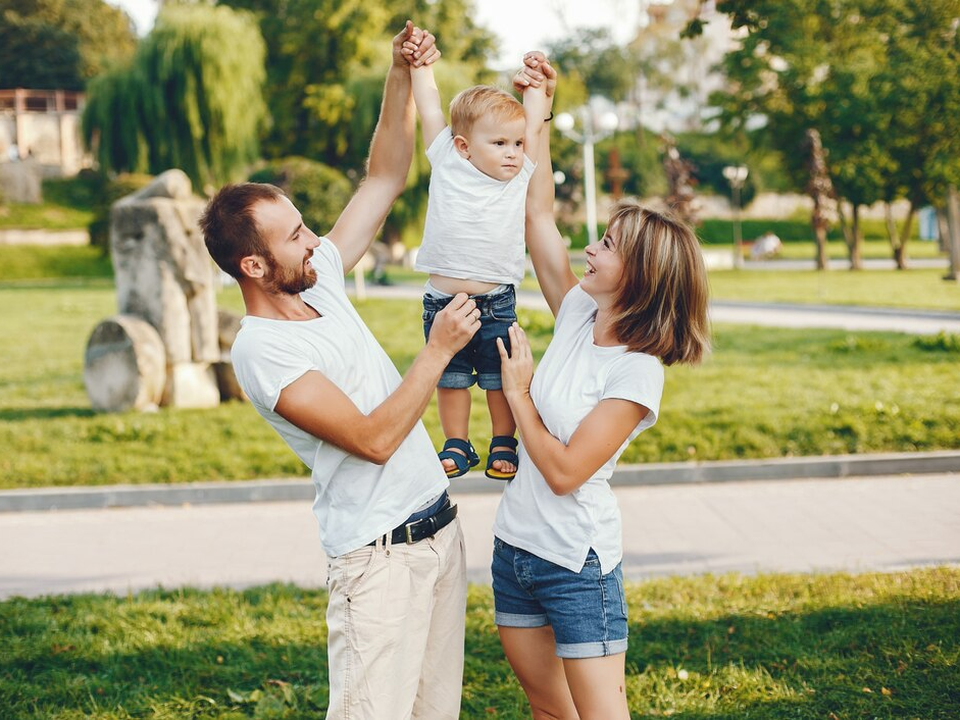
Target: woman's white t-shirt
571, 380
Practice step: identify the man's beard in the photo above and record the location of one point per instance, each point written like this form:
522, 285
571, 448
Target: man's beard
289, 281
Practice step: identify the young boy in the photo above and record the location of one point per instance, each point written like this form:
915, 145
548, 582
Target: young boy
473, 243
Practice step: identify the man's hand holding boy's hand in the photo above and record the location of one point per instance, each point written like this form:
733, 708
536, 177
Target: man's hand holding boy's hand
536, 71
414, 47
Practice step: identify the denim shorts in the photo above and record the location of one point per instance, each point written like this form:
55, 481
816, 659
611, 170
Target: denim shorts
587, 610
479, 361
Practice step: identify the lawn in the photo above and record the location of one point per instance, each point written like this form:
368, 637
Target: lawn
763, 393
817, 647
44, 216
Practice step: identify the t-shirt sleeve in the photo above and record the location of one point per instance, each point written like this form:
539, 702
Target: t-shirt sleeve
327, 261
441, 147
265, 364
575, 305
638, 378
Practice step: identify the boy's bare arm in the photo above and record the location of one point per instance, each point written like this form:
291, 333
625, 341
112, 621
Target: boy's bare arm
536, 108
427, 98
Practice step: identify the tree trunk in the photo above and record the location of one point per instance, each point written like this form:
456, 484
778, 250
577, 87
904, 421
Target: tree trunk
822, 260
854, 240
953, 233
943, 230
901, 255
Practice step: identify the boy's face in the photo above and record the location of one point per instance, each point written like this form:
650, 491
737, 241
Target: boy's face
494, 146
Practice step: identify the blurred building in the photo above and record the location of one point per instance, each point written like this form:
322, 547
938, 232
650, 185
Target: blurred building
43, 125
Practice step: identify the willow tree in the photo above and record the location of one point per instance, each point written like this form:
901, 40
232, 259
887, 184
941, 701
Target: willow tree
191, 99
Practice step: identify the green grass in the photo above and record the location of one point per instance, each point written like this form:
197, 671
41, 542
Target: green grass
922, 288
45, 216
764, 393
769, 647
36, 262
837, 250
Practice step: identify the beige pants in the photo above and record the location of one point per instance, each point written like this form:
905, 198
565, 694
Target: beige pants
395, 625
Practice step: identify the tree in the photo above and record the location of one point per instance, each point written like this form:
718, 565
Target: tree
876, 78
191, 98
61, 44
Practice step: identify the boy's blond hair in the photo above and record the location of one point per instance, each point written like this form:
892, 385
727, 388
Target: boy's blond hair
475, 102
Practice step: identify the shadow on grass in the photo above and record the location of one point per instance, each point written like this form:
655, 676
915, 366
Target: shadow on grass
21, 414
262, 653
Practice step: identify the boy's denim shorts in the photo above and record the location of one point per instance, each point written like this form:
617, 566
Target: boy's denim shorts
479, 361
587, 610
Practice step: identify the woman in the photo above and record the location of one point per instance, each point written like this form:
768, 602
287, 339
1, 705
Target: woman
642, 303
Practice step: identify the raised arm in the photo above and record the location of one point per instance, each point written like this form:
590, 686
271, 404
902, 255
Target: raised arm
536, 107
391, 151
547, 249
429, 107
314, 404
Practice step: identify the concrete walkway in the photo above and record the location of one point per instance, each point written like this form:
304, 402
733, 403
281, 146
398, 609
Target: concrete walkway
844, 317
880, 523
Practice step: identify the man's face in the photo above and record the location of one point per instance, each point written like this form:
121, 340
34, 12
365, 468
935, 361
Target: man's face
495, 147
290, 244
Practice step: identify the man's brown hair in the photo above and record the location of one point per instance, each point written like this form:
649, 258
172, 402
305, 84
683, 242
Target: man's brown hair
661, 308
229, 228
475, 102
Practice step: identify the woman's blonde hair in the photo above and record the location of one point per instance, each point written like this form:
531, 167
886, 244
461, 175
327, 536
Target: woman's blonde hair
661, 308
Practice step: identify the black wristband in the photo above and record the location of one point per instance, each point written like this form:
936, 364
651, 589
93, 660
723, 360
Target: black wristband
548, 119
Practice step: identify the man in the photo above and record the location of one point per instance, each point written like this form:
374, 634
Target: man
397, 573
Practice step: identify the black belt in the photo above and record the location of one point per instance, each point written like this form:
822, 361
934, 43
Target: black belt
417, 530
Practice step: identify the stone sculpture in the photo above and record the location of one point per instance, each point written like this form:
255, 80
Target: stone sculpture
165, 280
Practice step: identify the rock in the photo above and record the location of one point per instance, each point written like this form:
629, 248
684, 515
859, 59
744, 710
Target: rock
125, 365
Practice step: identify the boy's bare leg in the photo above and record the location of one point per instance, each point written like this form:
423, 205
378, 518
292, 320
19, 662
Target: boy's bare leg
503, 424
453, 406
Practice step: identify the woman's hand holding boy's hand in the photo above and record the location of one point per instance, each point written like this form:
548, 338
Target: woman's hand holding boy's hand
517, 367
536, 71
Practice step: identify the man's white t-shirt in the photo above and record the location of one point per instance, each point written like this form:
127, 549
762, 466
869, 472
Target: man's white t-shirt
356, 500
475, 223
572, 378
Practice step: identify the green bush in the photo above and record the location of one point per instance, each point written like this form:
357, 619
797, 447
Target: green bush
77, 192
105, 191
794, 230
319, 191
941, 342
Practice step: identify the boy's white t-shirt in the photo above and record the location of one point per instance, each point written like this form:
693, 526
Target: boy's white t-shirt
572, 378
356, 500
475, 224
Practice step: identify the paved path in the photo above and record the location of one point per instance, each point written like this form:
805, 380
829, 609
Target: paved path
882, 523
844, 317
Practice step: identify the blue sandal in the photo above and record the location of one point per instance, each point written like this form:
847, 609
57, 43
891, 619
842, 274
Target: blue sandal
463, 462
509, 456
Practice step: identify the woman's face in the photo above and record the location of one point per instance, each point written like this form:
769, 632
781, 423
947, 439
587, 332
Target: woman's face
604, 266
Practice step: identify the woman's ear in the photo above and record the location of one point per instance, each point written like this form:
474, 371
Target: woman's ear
461, 145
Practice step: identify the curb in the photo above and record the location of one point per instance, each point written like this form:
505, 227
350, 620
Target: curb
202, 493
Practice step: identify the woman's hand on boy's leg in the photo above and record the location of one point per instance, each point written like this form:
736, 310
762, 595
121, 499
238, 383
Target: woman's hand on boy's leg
517, 366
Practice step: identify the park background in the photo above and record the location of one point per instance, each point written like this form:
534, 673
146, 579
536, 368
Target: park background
288, 92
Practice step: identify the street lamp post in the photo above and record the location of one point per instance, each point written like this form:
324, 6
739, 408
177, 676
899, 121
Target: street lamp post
594, 129
736, 175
